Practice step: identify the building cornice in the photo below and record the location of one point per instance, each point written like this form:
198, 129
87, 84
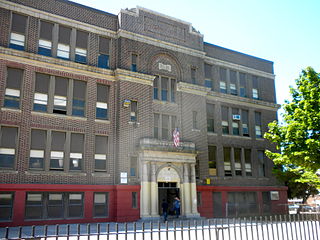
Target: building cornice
19, 8
125, 75
55, 64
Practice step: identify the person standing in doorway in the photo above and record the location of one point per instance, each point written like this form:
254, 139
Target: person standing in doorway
164, 206
176, 206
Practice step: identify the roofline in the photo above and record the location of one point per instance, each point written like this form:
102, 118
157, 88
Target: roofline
228, 49
89, 8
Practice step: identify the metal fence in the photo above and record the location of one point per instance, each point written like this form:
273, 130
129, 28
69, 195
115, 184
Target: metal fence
282, 227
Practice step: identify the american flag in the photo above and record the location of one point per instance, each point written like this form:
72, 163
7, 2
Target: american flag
176, 137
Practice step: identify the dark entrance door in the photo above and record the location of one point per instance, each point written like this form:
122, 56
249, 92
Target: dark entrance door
167, 191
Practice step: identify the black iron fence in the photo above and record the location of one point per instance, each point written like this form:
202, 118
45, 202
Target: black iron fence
282, 227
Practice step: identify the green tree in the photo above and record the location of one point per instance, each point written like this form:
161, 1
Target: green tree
298, 138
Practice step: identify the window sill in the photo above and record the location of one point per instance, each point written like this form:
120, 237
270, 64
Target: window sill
58, 115
134, 123
11, 109
102, 121
165, 102
236, 136
101, 174
212, 134
52, 172
9, 171
195, 130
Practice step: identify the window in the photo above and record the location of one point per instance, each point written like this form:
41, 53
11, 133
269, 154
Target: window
102, 102
13, 88
76, 151
237, 162
261, 164
208, 76
18, 31
134, 58
45, 39
8, 147
55, 205
101, 201
162, 86
37, 151
223, 80
210, 117
255, 92
79, 98
134, 199
57, 150
227, 161
233, 82
40, 101
164, 125
60, 95
243, 85
217, 204
103, 58
34, 206
245, 123
247, 159
235, 122
133, 111
75, 205
64, 43
81, 47
212, 160
194, 120
193, 76
199, 199
225, 120
100, 157
6, 206
242, 204
257, 117
133, 166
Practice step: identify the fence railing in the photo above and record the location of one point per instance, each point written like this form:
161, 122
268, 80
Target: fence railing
282, 227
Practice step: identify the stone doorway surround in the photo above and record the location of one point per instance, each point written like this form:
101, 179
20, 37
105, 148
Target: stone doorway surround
160, 161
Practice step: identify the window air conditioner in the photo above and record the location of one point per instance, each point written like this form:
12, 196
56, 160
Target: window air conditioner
236, 117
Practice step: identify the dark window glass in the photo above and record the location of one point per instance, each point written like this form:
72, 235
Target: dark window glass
227, 161
225, 120
156, 124
18, 30
76, 151
79, 98
13, 88
34, 206
212, 160
60, 95
165, 127
243, 85
75, 205
103, 58
37, 151
261, 164
101, 204
57, 150
248, 166
101, 145
40, 102
134, 58
133, 166
245, 123
55, 205
133, 111
164, 88
45, 40
193, 76
173, 90
81, 47
194, 120
217, 204
134, 199
237, 161
233, 82
210, 117
156, 88
6, 206
102, 102
8, 147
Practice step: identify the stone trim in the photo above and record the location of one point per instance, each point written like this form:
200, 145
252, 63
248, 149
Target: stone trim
126, 75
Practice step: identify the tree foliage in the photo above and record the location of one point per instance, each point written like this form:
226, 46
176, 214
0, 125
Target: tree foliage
298, 138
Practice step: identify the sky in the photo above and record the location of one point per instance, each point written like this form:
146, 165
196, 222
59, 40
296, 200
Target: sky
286, 32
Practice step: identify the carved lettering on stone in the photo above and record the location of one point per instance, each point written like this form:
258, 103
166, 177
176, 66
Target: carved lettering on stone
165, 67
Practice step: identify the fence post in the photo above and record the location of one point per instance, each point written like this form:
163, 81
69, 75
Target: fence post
98, 231
181, 225
151, 230
209, 228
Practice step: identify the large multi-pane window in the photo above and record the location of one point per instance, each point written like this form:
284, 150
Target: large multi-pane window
57, 156
81, 47
225, 120
255, 87
223, 80
63, 50
8, 145
103, 57
237, 161
13, 88
37, 151
101, 206
100, 156
245, 122
6, 206
164, 126
164, 89
208, 76
242, 204
247, 160
210, 117
45, 39
18, 31
102, 102
257, 118
227, 161
54, 205
261, 164
76, 151
212, 150
243, 85
233, 82
61, 95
